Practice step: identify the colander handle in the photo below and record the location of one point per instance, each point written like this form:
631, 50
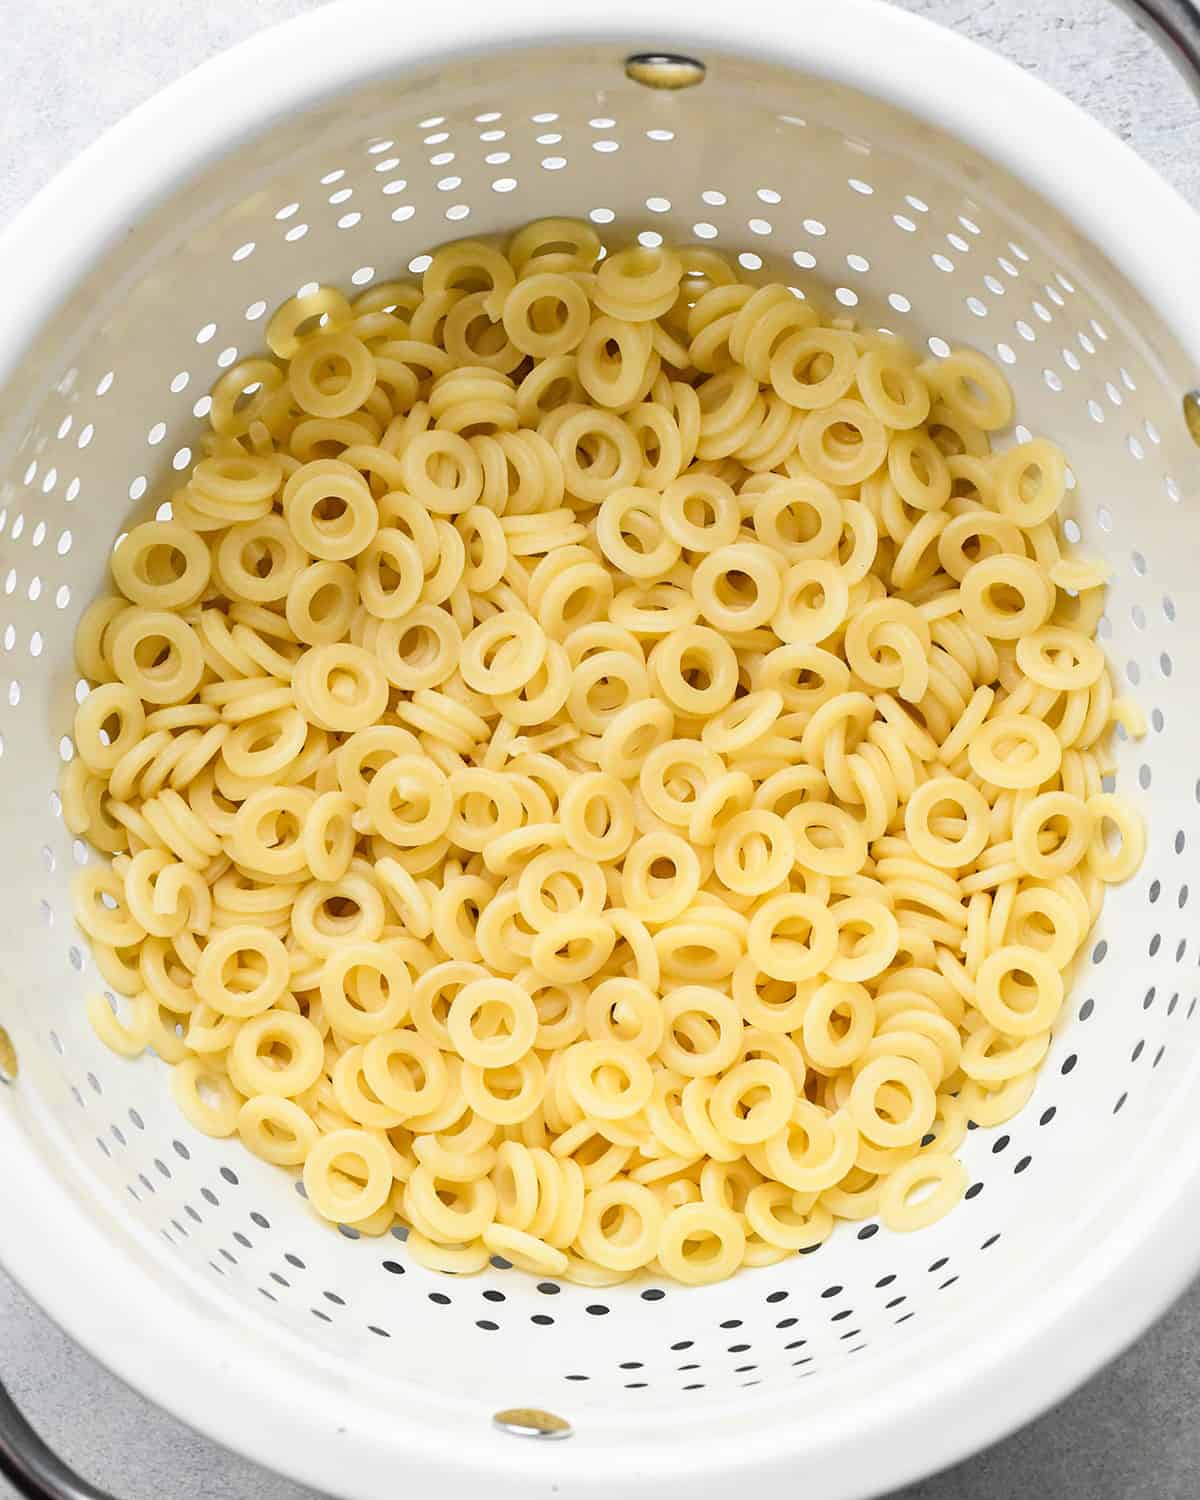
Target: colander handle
31, 1467
1175, 26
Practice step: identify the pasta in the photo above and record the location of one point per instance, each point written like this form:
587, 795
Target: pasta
598, 763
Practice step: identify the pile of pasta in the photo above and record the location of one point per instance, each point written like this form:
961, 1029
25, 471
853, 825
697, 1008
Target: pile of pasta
598, 763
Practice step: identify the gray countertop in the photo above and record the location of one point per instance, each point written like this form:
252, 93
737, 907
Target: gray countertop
70, 69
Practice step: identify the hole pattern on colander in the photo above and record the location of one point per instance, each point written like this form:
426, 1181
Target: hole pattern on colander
933, 263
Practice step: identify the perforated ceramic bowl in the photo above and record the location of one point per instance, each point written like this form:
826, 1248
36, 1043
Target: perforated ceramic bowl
933, 190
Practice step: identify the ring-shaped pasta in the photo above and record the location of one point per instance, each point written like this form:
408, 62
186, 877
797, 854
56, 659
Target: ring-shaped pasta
474, 400
849, 1004
800, 618
546, 314
108, 724
598, 453
268, 831
390, 574
505, 1096
572, 947
1030, 482
1043, 917
991, 1059
672, 777
126, 1038
597, 816
347, 1175
366, 989
754, 852
442, 471
713, 1045
660, 876
917, 468
985, 532
420, 650
245, 394
575, 597
484, 805
277, 1130
329, 836
234, 486
608, 1080
698, 948
161, 565
432, 994
254, 1056
502, 653
259, 560
951, 839
205, 1097
842, 443
320, 601
887, 644
406, 1072
891, 388
1006, 597
525, 1251
329, 509
738, 588
624, 1010
780, 1216
778, 951
900, 1211
798, 518
743, 722
1067, 850
812, 1150
827, 838
774, 1006
331, 374
324, 307
695, 670
971, 388
558, 882
1011, 1006
699, 512
907, 1095
322, 925
871, 952
1115, 864
1015, 752
752, 1101
234, 987
1065, 660
701, 1243
510, 1016
560, 245
603, 681
621, 1225
340, 687
795, 361
628, 516
156, 654
660, 437
631, 734
466, 264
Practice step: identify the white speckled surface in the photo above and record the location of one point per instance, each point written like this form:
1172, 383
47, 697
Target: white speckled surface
69, 70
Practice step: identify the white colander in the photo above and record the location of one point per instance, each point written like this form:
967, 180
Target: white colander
931, 188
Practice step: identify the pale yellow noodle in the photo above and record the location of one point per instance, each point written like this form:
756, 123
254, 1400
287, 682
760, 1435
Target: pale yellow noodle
602, 762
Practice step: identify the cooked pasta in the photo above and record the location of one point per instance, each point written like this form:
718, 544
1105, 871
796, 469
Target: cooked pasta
599, 764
